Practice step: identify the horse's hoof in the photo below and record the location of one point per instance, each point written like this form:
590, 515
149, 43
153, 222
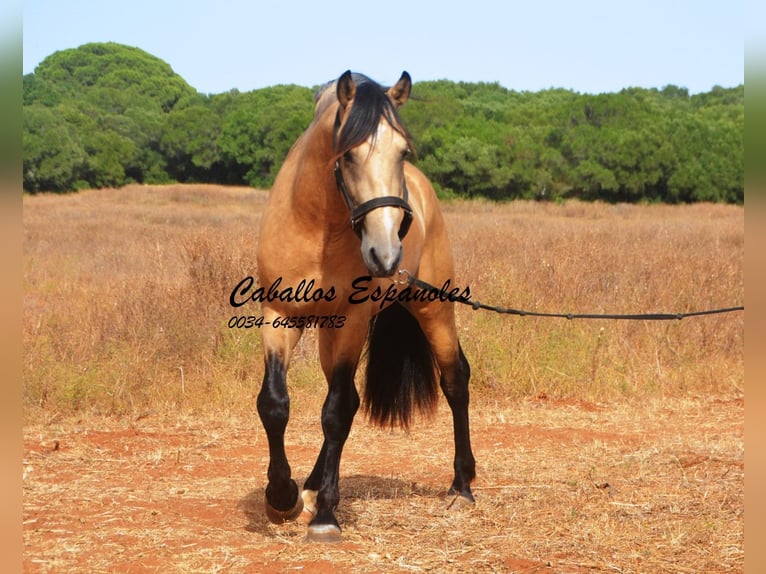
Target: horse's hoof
460, 502
326, 533
276, 516
462, 499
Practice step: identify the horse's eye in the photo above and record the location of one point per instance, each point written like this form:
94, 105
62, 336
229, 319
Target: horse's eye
406, 153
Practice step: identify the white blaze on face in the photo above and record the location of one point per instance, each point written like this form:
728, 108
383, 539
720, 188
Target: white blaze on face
390, 216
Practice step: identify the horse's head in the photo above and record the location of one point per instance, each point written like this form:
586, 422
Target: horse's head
370, 146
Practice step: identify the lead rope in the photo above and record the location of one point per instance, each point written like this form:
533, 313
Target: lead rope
409, 279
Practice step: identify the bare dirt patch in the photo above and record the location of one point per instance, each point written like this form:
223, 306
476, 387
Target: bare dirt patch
562, 487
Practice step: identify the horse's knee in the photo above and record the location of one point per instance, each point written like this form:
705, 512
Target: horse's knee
274, 409
273, 402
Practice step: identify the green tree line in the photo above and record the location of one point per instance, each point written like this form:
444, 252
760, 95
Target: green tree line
104, 115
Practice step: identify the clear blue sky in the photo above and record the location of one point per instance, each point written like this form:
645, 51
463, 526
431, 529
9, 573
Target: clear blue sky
589, 46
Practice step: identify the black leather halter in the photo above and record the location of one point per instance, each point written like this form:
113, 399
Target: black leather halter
358, 212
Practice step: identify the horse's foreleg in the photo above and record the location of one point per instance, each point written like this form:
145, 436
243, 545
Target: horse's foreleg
282, 500
338, 412
321, 488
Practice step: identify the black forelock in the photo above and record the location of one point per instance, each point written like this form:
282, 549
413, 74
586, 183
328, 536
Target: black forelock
369, 104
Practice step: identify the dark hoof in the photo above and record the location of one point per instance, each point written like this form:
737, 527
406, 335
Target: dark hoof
326, 533
460, 502
462, 499
281, 516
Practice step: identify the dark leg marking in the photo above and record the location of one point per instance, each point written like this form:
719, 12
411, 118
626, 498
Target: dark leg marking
338, 412
282, 500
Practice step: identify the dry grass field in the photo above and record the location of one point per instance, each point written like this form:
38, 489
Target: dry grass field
602, 446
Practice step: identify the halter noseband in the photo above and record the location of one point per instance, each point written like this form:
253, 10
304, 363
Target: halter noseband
358, 212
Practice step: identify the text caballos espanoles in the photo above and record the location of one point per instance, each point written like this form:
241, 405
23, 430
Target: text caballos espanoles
247, 291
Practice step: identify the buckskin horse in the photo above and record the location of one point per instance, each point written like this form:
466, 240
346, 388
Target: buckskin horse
345, 214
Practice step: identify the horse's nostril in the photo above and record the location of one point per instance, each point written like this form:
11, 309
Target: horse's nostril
374, 257
383, 263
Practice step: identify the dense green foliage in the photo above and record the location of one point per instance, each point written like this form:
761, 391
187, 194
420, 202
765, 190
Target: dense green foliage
636, 145
106, 115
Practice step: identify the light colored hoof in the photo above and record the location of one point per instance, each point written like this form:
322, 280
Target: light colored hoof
281, 516
309, 506
325, 533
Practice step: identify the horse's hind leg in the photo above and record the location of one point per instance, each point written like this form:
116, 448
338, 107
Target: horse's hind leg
454, 384
282, 500
441, 333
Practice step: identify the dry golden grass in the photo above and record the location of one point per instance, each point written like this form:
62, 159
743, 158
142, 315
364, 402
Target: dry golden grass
596, 258
126, 299
601, 445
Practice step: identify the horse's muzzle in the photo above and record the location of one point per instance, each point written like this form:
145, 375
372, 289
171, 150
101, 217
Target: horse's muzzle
381, 261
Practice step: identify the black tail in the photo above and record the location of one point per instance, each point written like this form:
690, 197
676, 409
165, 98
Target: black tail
401, 371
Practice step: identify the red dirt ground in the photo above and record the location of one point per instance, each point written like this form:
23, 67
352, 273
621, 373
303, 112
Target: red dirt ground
561, 487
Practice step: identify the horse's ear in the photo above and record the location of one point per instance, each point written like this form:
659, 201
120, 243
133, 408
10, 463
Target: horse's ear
346, 89
400, 93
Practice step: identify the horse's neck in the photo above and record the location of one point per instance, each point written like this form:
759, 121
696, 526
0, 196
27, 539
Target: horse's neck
315, 197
